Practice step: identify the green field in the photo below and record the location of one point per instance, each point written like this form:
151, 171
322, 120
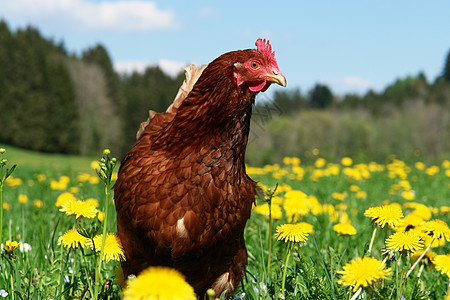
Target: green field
321, 194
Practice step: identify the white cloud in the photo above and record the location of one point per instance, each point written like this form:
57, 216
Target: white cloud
121, 15
350, 84
130, 66
170, 67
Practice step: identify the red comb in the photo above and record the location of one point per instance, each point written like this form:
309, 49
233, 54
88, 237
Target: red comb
266, 49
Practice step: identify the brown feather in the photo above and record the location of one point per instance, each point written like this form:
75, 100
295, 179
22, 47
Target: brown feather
182, 195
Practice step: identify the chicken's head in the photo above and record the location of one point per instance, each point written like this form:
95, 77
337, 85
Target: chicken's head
260, 69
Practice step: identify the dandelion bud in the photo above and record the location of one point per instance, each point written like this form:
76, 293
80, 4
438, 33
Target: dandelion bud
114, 160
106, 152
210, 293
3, 161
2, 150
103, 161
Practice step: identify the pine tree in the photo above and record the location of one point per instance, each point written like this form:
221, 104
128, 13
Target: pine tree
320, 96
446, 73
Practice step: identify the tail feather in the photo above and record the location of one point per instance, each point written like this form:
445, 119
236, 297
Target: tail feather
192, 75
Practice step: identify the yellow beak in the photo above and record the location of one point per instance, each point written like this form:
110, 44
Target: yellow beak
277, 78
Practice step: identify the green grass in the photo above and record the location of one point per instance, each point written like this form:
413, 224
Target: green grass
36, 161
44, 272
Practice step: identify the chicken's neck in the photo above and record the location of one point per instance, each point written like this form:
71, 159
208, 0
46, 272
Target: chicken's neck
218, 120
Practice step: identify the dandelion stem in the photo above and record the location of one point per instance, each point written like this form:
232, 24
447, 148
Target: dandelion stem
61, 271
1, 208
3, 178
105, 223
356, 294
2, 182
420, 257
283, 282
73, 272
420, 270
371, 240
12, 287
402, 277
105, 173
269, 202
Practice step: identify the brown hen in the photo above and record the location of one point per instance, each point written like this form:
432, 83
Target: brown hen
183, 196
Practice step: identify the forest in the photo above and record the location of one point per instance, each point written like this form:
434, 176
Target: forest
54, 101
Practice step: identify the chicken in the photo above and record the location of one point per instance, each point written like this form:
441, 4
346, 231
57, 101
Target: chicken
182, 195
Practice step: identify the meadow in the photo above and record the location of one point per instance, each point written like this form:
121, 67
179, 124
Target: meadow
344, 242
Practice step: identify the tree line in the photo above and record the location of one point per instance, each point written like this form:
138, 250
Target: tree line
55, 101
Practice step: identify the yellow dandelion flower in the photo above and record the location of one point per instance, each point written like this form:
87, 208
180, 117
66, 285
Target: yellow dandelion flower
13, 182
295, 208
442, 263
92, 201
113, 249
408, 195
386, 214
286, 160
354, 188
339, 217
101, 216
419, 165
293, 232
341, 206
338, 196
409, 222
72, 239
344, 229
74, 189
314, 205
431, 171
295, 194
437, 229
63, 198
402, 241
446, 164
264, 210
405, 185
10, 246
38, 203
419, 209
95, 164
346, 161
83, 177
95, 179
328, 208
6, 205
23, 198
79, 208
444, 209
320, 162
159, 283
41, 177
363, 272
361, 195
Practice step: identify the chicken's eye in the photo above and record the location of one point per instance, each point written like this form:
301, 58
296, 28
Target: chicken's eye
254, 65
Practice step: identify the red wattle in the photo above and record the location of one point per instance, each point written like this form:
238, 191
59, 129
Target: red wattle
257, 87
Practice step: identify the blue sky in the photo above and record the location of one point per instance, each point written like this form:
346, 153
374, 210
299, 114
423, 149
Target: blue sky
349, 45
